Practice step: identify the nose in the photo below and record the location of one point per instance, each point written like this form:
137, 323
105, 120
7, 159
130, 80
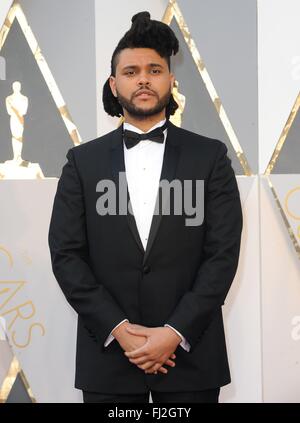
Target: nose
143, 80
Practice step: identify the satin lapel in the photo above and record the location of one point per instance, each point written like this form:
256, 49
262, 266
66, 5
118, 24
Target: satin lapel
118, 165
170, 161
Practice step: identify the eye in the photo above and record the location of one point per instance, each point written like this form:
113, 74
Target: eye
156, 71
131, 72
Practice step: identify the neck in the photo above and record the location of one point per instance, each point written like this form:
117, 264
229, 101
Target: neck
144, 123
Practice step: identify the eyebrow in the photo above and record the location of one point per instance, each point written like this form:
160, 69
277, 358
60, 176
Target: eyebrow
152, 65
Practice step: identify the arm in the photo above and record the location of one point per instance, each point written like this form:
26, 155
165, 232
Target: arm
224, 221
110, 338
70, 259
184, 343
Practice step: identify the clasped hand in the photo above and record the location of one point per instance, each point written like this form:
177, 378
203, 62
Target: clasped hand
157, 350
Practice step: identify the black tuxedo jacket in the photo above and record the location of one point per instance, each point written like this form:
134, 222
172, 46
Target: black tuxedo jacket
181, 279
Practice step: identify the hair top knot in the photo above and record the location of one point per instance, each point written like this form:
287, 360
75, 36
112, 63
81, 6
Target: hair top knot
141, 16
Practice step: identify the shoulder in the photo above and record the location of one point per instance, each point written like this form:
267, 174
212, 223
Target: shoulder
199, 143
95, 146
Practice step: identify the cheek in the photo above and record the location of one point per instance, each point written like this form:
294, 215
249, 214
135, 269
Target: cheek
165, 84
126, 88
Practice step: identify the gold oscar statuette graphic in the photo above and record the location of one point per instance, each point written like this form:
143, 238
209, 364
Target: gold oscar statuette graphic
180, 100
17, 168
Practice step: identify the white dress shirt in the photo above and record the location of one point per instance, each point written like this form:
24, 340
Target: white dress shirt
143, 165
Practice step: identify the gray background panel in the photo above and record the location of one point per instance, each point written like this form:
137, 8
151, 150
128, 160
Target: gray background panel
225, 33
200, 114
66, 34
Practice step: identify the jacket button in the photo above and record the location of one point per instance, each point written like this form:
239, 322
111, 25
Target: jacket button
146, 269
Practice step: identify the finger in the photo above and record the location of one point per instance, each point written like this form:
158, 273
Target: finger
145, 359
135, 325
152, 367
147, 366
159, 368
170, 363
139, 352
138, 331
154, 370
140, 360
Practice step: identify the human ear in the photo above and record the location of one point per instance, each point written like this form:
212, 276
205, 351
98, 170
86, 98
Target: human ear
112, 84
172, 79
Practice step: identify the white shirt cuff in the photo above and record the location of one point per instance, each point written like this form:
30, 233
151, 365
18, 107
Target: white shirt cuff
110, 336
184, 343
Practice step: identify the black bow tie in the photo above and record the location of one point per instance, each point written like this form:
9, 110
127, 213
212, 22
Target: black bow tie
132, 138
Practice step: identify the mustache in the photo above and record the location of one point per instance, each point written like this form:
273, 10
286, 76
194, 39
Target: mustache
144, 89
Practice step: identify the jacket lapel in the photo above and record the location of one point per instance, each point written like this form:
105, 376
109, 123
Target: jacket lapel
168, 172
118, 165
170, 160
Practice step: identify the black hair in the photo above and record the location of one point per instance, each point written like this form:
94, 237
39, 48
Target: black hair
144, 33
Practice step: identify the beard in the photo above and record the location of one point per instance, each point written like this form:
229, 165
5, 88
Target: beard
141, 113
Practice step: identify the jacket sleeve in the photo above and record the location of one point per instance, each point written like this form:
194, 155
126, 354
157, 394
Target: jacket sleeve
67, 239
224, 221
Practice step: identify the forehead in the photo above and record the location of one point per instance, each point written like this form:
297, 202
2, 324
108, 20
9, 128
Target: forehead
139, 57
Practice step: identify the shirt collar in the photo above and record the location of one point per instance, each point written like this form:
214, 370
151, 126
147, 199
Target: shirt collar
139, 131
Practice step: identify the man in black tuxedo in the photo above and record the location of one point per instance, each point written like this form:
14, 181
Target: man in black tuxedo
149, 283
